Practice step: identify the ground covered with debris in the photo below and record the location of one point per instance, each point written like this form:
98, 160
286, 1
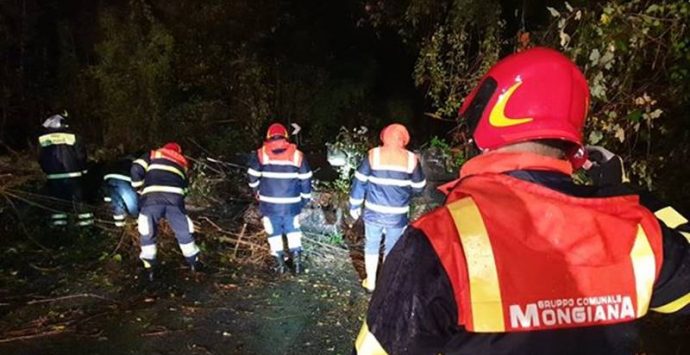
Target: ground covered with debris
68, 290
71, 291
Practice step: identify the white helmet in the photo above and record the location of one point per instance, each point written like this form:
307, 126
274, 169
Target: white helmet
54, 121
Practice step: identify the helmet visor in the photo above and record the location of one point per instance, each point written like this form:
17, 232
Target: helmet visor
475, 109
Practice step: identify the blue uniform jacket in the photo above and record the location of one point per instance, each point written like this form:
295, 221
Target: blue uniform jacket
161, 178
282, 182
386, 189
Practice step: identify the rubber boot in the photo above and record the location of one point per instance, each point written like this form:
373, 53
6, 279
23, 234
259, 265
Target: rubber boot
371, 265
280, 264
149, 266
195, 265
297, 261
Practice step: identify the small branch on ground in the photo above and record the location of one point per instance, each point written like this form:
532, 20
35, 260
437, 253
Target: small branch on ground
68, 297
239, 239
21, 224
33, 336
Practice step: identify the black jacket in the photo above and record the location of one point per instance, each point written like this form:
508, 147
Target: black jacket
62, 154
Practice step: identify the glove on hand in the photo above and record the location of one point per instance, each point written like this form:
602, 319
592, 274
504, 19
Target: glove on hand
604, 167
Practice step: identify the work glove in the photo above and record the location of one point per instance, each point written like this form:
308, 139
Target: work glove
355, 213
604, 167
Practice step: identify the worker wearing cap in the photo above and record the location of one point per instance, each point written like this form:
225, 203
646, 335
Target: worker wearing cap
280, 177
520, 259
160, 177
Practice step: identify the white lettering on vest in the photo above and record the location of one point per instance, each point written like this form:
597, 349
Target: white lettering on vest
564, 312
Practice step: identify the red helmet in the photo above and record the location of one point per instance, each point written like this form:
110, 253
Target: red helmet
276, 130
535, 94
173, 146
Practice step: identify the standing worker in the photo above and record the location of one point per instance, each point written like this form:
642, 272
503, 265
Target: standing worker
161, 179
281, 179
119, 193
521, 260
384, 183
63, 159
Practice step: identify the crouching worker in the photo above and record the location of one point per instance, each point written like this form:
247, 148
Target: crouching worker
161, 179
119, 193
281, 179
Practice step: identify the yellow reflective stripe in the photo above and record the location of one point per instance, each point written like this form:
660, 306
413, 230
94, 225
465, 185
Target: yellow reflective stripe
167, 168
644, 267
673, 306
117, 177
485, 291
686, 235
57, 138
64, 175
141, 162
670, 217
366, 343
170, 189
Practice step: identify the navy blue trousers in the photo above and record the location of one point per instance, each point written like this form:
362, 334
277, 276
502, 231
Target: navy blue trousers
181, 224
68, 197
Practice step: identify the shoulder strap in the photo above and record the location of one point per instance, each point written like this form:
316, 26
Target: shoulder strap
411, 162
375, 158
297, 158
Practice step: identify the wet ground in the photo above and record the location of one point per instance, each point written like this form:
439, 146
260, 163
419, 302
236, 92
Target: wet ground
233, 310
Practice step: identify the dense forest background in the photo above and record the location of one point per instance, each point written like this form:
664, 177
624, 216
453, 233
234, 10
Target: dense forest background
135, 73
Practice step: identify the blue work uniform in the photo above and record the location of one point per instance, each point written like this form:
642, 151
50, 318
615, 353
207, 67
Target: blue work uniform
385, 189
119, 193
160, 177
281, 180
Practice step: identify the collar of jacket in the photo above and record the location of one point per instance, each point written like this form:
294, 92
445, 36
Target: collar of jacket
503, 162
170, 155
279, 150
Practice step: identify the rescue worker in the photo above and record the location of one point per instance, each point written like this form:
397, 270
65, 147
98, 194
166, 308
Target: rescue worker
63, 159
160, 177
281, 180
119, 193
520, 260
384, 184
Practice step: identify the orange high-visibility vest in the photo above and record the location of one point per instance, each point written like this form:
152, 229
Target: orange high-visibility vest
382, 158
171, 155
291, 156
522, 257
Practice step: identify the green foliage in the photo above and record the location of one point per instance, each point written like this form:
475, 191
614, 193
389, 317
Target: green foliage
453, 158
457, 41
352, 145
636, 56
335, 239
134, 75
